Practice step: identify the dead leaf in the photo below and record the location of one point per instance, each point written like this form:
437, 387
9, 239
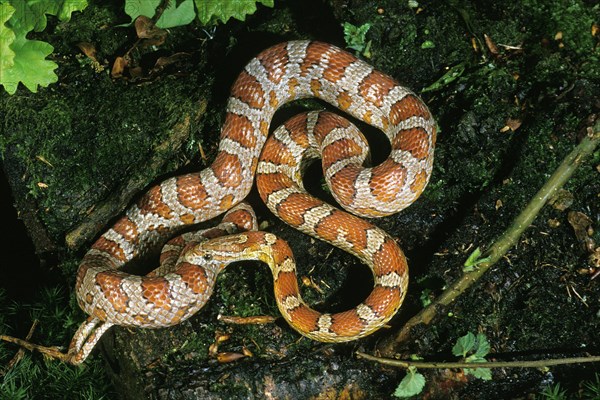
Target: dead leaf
118, 67
247, 352
474, 45
513, 123
163, 62
553, 223
582, 225
145, 29
227, 357
490, 44
258, 319
88, 49
562, 200
136, 73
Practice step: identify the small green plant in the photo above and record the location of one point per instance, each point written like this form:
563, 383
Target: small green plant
412, 384
23, 60
450, 76
356, 38
554, 392
591, 390
471, 348
473, 260
183, 12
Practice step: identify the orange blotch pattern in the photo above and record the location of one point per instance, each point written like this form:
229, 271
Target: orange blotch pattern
387, 179
415, 141
409, 106
338, 62
248, 90
191, 192
375, 86
274, 61
152, 203
110, 285
293, 208
156, 291
194, 276
110, 247
228, 169
240, 129
347, 323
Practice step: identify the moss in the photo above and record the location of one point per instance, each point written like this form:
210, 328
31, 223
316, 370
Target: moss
82, 158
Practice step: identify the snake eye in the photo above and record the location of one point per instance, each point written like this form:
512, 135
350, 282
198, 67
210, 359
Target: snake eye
207, 257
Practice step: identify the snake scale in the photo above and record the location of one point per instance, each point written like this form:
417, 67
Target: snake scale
190, 262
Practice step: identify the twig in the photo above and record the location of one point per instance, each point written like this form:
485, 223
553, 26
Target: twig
489, 364
256, 320
19, 355
52, 352
498, 249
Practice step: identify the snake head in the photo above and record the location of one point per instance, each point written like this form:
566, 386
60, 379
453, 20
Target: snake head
227, 249
223, 249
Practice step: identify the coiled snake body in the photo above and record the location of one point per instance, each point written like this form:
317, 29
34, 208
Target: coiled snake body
183, 283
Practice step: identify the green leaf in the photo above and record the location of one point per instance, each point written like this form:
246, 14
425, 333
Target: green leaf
464, 345
68, 7
428, 44
450, 76
31, 14
482, 346
411, 385
425, 297
480, 373
23, 60
177, 15
356, 36
7, 37
135, 8
211, 11
474, 260
554, 392
30, 66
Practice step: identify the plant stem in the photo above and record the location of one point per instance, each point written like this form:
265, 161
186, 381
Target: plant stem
498, 249
489, 364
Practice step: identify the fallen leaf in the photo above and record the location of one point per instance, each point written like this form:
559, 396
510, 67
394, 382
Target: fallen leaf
163, 62
513, 123
118, 67
136, 73
490, 44
561, 200
145, 29
582, 224
88, 49
258, 319
227, 357
247, 352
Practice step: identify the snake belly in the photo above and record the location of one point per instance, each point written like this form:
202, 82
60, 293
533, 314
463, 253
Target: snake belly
280, 74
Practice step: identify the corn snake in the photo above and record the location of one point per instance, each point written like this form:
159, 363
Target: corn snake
280, 74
